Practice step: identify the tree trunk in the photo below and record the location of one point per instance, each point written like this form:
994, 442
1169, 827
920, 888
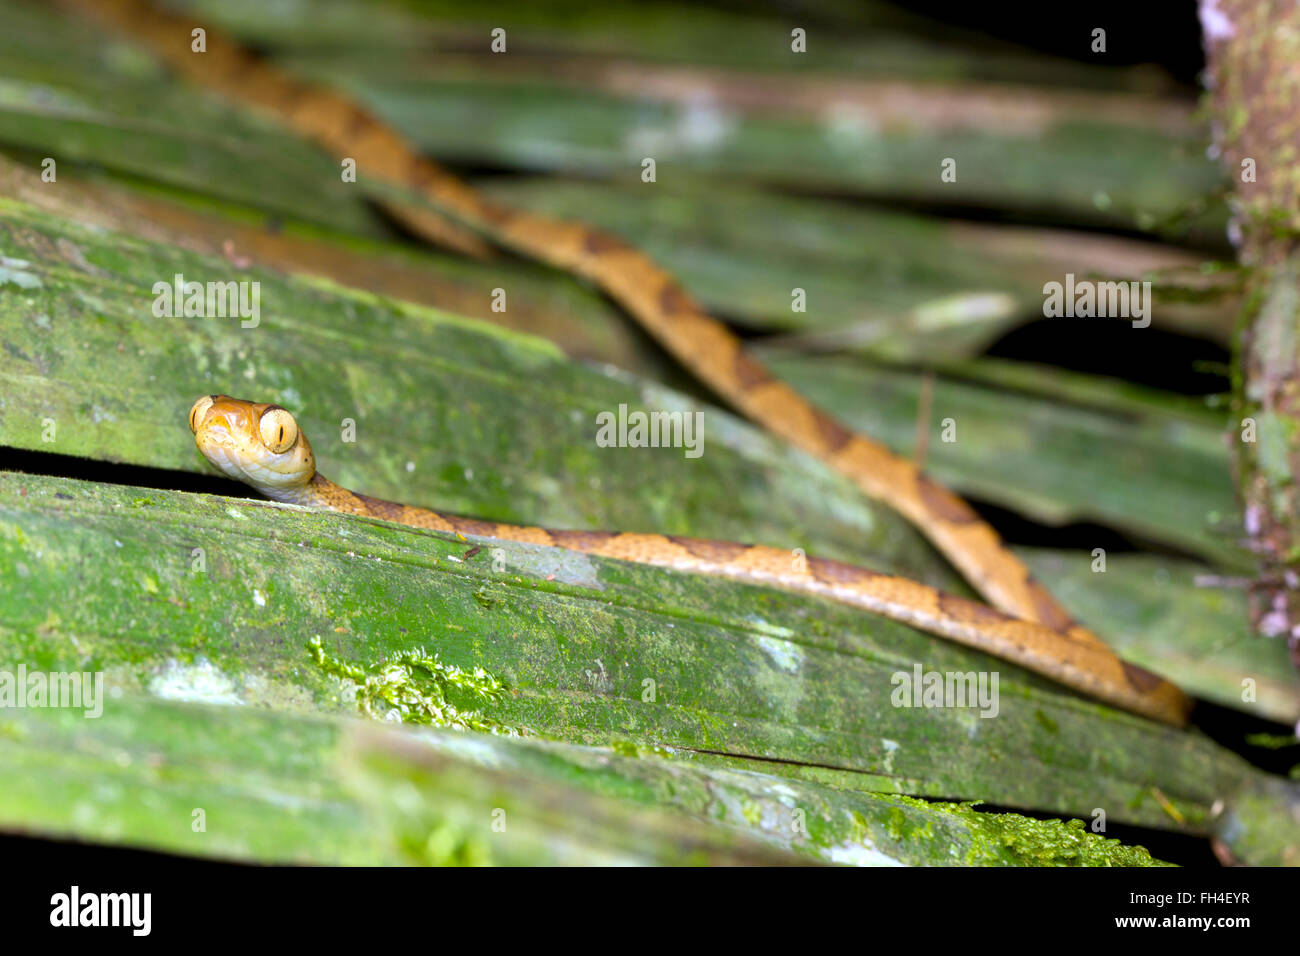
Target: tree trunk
1254, 49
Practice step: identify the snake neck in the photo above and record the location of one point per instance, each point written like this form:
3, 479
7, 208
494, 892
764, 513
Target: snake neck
320, 492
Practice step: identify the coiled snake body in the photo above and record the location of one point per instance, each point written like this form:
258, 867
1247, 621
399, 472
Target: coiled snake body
1030, 627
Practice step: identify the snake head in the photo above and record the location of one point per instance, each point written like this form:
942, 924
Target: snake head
256, 443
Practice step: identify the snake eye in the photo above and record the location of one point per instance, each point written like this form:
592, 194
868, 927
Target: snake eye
278, 429
198, 410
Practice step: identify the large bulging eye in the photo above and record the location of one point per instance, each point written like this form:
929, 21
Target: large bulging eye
198, 410
278, 429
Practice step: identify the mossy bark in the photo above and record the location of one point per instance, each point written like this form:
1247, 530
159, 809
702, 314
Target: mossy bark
1253, 48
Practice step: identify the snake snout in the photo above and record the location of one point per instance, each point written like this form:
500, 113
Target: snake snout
224, 424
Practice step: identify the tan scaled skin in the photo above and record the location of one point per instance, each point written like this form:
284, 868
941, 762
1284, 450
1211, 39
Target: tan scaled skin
261, 445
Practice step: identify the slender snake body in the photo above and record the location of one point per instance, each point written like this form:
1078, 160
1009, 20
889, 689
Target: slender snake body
1029, 627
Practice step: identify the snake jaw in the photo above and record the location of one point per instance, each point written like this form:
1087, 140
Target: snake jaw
227, 436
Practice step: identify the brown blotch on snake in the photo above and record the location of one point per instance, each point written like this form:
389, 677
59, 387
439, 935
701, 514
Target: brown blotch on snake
1141, 678
474, 526
749, 373
837, 572
582, 540
673, 301
944, 503
719, 551
599, 243
835, 435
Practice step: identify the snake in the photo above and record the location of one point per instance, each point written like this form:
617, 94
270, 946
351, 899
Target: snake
1023, 623
261, 445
